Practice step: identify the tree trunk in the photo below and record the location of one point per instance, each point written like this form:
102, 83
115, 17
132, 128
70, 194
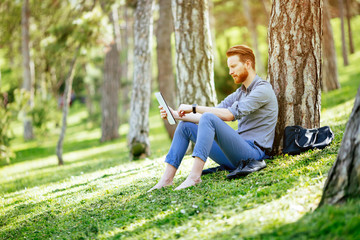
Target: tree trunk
329, 74
110, 89
194, 53
138, 137
126, 34
27, 81
260, 69
66, 101
343, 181
295, 63
265, 7
343, 42
348, 17
164, 59
212, 23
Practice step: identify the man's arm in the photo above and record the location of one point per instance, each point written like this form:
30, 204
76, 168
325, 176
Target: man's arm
223, 113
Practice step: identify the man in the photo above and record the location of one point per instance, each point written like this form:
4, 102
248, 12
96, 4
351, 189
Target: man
253, 105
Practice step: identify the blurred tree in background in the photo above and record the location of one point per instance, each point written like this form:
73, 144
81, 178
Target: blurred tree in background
166, 78
138, 136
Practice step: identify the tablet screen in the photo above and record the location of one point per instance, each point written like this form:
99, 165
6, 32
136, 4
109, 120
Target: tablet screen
163, 103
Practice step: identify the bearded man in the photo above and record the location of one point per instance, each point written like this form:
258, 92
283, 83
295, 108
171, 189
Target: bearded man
242, 151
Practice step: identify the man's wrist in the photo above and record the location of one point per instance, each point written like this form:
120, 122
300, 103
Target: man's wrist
194, 108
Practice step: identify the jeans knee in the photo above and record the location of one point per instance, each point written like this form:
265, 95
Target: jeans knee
184, 126
207, 117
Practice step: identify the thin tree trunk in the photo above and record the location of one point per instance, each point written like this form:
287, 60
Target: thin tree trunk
27, 81
166, 79
212, 22
295, 63
90, 92
66, 103
265, 7
126, 35
138, 137
329, 74
348, 17
110, 88
110, 95
343, 181
252, 28
194, 53
343, 42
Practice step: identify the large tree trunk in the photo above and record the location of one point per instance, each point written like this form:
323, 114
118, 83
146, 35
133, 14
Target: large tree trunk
329, 74
252, 28
295, 63
138, 137
348, 17
343, 41
66, 103
110, 88
194, 53
343, 181
27, 81
164, 59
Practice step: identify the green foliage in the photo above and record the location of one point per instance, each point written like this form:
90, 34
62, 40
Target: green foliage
9, 112
44, 112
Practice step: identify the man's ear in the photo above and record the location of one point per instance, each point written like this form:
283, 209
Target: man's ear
248, 64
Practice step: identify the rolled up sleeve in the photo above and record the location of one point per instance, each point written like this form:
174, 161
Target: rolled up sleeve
250, 103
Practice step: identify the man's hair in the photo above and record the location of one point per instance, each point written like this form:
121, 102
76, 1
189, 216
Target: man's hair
244, 52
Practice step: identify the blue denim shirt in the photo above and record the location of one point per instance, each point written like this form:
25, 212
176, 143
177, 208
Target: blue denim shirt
256, 110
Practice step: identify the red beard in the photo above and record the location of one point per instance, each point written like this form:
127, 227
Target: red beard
242, 77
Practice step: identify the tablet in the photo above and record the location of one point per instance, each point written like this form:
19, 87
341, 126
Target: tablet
162, 103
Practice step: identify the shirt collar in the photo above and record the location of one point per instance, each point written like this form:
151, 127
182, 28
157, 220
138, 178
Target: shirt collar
251, 86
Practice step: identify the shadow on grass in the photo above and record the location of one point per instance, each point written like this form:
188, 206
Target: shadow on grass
43, 152
327, 222
129, 212
54, 173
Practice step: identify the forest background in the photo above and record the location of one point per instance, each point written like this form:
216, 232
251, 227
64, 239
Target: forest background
74, 40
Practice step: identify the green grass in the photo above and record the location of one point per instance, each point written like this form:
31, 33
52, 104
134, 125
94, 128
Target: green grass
100, 194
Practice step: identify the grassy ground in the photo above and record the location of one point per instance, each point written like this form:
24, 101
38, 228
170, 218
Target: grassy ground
100, 194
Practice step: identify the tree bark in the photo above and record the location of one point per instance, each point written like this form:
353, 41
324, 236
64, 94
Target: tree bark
252, 28
166, 79
66, 101
110, 88
295, 63
329, 74
194, 53
343, 41
138, 137
343, 181
348, 17
27, 81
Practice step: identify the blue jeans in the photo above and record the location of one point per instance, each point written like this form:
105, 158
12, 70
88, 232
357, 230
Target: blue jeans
215, 139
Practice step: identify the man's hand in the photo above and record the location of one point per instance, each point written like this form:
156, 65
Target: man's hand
184, 109
163, 113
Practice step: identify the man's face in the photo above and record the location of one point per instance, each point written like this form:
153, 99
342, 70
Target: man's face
237, 69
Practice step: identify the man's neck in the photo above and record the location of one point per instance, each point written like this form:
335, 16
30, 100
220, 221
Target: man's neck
249, 79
